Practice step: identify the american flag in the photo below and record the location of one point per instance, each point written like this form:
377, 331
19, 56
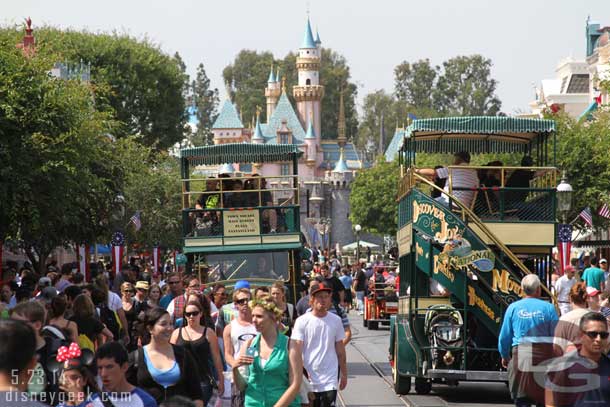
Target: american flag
135, 219
587, 216
604, 211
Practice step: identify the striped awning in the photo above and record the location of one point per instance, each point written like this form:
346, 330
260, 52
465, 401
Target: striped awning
476, 134
240, 153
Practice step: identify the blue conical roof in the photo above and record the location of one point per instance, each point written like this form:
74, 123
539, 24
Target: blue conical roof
308, 41
272, 77
341, 165
311, 134
258, 132
228, 118
318, 41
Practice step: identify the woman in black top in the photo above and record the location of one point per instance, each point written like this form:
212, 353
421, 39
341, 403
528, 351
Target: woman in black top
87, 322
162, 369
202, 342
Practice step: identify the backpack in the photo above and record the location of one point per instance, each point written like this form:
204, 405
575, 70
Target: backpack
110, 319
56, 334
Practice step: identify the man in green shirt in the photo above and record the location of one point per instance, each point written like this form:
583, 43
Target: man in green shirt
594, 276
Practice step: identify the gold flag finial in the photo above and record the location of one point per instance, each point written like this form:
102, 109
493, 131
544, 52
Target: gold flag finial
283, 84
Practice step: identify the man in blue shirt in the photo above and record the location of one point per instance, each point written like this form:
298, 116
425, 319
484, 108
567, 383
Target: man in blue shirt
594, 276
522, 320
175, 289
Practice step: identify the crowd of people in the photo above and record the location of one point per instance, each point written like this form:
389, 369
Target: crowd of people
572, 369
147, 338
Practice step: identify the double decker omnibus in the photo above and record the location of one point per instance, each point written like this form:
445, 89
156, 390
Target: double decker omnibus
462, 259
240, 223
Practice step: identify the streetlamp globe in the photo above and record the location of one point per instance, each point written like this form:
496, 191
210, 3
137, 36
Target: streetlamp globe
357, 228
564, 195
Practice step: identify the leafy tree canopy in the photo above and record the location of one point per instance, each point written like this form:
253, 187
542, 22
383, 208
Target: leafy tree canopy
462, 87
373, 198
144, 86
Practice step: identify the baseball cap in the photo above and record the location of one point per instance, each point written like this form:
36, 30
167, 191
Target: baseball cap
44, 282
316, 288
142, 285
48, 293
592, 291
603, 261
242, 284
568, 268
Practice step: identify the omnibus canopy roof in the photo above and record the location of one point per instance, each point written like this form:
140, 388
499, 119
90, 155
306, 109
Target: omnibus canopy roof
475, 134
240, 153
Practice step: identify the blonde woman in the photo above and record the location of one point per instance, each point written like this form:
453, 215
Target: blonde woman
275, 369
154, 296
129, 308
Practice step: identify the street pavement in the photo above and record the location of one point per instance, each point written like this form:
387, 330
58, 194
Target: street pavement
370, 378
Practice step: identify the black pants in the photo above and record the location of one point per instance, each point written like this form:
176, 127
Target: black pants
325, 398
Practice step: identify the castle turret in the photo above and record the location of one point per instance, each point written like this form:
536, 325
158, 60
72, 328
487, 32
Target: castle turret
257, 137
272, 91
310, 143
308, 92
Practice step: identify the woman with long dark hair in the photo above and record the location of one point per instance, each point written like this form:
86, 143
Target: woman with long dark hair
162, 369
57, 319
203, 344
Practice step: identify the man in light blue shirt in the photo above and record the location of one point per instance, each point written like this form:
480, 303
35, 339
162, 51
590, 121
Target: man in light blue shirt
522, 320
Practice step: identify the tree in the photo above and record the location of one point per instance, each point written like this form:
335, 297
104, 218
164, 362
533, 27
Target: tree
152, 186
205, 101
465, 88
373, 198
582, 151
59, 177
246, 79
414, 83
143, 85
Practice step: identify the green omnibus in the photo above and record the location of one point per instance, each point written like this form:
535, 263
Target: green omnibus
461, 261
239, 224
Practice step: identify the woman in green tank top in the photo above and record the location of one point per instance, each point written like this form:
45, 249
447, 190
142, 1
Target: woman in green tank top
275, 371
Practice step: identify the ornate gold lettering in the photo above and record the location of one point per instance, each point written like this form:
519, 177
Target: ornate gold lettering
475, 300
503, 283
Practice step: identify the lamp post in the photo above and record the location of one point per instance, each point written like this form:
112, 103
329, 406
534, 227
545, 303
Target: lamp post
564, 238
357, 228
564, 197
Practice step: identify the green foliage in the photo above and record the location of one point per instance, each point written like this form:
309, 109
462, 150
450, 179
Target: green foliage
142, 85
582, 152
205, 101
246, 79
414, 83
394, 112
58, 174
152, 186
463, 86
373, 198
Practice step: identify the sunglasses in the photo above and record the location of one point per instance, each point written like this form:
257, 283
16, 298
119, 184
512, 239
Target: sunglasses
593, 334
129, 291
222, 294
191, 314
242, 301
173, 282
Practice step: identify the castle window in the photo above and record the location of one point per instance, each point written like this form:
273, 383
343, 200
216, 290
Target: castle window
308, 82
284, 138
285, 169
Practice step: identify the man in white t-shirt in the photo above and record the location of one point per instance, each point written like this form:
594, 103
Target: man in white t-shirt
563, 285
319, 335
463, 181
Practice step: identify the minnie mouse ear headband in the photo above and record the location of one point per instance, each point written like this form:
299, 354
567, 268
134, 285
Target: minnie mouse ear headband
70, 358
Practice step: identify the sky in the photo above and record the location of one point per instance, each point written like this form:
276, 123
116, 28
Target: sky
525, 39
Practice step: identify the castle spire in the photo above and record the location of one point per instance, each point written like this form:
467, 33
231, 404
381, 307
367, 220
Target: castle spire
341, 139
311, 134
308, 41
272, 78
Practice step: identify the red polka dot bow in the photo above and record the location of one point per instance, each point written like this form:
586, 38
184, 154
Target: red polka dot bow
66, 353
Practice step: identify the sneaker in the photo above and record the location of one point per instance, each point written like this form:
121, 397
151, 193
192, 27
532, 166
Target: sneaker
360, 312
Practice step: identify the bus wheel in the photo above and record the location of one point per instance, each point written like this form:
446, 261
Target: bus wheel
422, 385
402, 385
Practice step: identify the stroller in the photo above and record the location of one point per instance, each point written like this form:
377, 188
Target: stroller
443, 326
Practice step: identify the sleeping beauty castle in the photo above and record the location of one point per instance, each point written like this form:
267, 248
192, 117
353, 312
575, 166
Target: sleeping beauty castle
326, 168
288, 124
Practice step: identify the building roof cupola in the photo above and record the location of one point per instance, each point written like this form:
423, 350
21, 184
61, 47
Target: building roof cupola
272, 77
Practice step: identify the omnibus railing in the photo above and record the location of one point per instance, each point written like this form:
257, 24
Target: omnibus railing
243, 221
239, 192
